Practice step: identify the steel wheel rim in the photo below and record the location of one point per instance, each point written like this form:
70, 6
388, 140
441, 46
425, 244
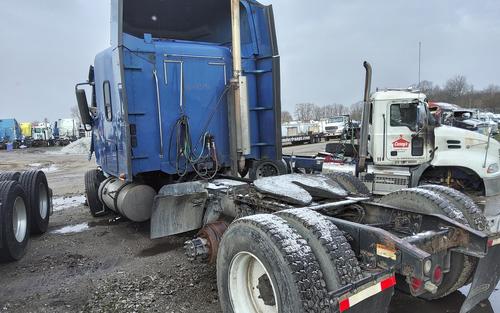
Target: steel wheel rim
267, 170
19, 220
43, 200
245, 289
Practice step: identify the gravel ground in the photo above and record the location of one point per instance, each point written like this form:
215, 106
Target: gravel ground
111, 265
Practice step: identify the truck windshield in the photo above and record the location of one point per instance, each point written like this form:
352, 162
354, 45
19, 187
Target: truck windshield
338, 119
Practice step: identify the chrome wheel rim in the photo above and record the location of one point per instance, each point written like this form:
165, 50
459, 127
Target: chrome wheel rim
43, 200
19, 220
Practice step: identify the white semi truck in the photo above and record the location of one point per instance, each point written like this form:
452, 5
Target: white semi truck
335, 126
401, 146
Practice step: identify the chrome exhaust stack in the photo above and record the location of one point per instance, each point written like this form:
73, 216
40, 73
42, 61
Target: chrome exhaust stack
365, 125
241, 127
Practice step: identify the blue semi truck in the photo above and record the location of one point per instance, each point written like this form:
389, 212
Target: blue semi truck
185, 116
10, 133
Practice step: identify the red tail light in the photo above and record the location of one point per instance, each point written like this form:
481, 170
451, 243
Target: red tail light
437, 276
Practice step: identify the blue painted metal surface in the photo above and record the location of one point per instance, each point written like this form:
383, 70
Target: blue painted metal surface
192, 80
9, 130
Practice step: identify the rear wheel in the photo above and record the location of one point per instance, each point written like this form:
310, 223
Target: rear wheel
265, 266
37, 192
431, 202
470, 210
462, 202
266, 168
93, 179
350, 183
15, 218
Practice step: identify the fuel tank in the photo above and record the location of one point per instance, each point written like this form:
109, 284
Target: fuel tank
132, 200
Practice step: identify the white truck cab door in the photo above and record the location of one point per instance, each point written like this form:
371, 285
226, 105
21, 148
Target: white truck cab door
405, 141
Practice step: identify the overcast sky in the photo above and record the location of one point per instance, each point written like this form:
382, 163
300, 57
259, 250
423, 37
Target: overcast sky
47, 46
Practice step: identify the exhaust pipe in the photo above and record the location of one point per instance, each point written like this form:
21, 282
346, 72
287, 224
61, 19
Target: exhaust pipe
363, 141
236, 34
240, 94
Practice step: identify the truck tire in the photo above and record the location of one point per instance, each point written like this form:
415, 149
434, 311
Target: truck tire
93, 179
430, 202
38, 201
335, 256
462, 202
267, 168
350, 183
263, 264
7, 176
470, 210
15, 219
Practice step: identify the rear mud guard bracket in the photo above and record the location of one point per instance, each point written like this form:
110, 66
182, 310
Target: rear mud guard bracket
178, 209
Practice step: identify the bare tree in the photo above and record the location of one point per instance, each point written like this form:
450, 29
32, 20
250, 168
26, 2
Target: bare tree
429, 89
304, 111
286, 117
457, 88
356, 111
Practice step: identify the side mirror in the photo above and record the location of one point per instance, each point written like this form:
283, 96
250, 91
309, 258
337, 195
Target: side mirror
83, 107
91, 74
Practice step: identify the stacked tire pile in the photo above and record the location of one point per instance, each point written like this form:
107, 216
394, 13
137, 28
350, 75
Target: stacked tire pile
25, 207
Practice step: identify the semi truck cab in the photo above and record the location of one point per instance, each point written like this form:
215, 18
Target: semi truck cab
165, 77
404, 133
335, 126
400, 128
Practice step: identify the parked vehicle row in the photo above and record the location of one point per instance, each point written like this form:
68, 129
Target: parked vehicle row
14, 135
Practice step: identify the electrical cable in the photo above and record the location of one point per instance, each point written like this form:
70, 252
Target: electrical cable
184, 146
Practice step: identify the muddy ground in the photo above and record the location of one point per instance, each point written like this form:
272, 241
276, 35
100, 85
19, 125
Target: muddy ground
110, 265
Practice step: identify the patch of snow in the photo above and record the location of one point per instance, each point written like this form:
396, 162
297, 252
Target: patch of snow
46, 167
72, 229
81, 146
292, 242
50, 169
68, 202
293, 187
321, 224
228, 182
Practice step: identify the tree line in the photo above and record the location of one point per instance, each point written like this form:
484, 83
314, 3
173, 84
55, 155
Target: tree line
456, 90
311, 111
459, 91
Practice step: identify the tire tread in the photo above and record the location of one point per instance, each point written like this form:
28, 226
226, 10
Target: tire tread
349, 182
333, 241
299, 257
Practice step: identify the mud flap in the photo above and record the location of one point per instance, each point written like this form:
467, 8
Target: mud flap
376, 304
178, 209
485, 279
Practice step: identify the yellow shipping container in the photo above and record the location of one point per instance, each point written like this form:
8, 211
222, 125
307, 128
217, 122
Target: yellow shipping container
26, 129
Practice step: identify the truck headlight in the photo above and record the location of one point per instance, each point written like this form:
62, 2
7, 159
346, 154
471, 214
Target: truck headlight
493, 168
